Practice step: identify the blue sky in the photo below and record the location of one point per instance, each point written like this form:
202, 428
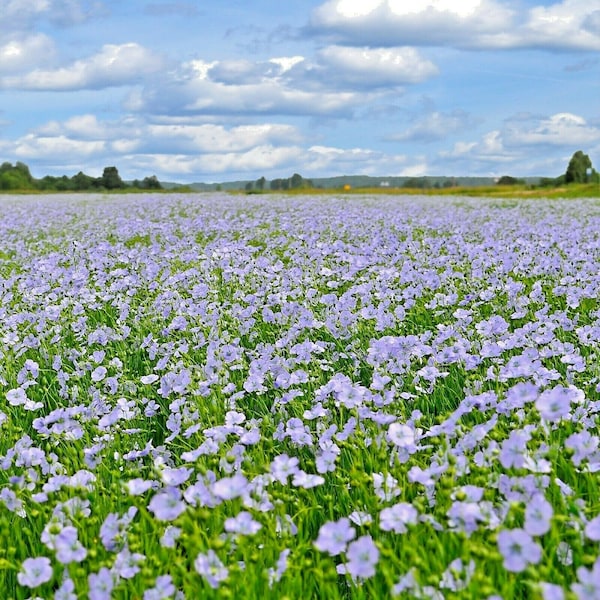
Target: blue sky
216, 91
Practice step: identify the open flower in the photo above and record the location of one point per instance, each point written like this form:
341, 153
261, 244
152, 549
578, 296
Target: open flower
334, 536
518, 549
35, 571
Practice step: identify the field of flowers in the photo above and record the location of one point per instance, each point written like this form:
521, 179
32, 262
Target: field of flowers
221, 397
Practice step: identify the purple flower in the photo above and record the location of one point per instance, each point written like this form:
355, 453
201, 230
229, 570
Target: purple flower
170, 536
113, 528
402, 436
228, 488
127, 564
583, 445
68, 548
363, 556
163, 589
397, 517
592, 529
242, 524
550, 591
518, 549
101, 585
386, 488
67, 590
35, 571
538, 514
167, 505
588, 585
458, 575
139, 486
276, 573
307, 480
175, 477
211, 568
99, 373
554, 404
334, 536
283, 466
514, 449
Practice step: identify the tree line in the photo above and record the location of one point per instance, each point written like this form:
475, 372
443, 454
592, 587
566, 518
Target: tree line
295, 182
17, 177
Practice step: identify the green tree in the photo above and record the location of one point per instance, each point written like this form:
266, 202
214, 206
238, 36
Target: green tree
81, 181
260, 183
296, 181
577, 170
151, 183
111, 179
508, 180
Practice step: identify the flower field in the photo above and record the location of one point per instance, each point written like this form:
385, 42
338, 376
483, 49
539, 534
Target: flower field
301, 397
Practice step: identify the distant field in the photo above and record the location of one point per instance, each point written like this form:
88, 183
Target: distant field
374, 396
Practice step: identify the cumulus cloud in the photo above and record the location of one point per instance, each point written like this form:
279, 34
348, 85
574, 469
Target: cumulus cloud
435, 126
241, 89
280, 160
331, 160
336, 82
134, 133
197, 151
44, 148
419, 22
372, 67
25, 51
562, 129
526, 140
180, 146
113, 65
568, 25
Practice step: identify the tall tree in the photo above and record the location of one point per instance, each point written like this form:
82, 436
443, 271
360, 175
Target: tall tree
111, 179
577, 170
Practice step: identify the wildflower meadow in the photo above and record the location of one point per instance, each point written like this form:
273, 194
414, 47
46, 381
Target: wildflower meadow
210, 396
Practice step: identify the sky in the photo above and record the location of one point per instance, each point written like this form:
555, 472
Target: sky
222, 90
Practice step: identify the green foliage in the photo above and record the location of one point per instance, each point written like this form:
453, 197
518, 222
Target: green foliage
111, 179
508, 180
18, 178
579, 167
295, 182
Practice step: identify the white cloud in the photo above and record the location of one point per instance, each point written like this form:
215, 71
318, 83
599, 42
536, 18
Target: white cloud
169, 138
330, 160
419, 22
527, 143
21, 52
562, 129
336, 82
435, 126
59, 148
247, 89
197, 151
571, 24
254, 160
373, 67
568, 25
114, 65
